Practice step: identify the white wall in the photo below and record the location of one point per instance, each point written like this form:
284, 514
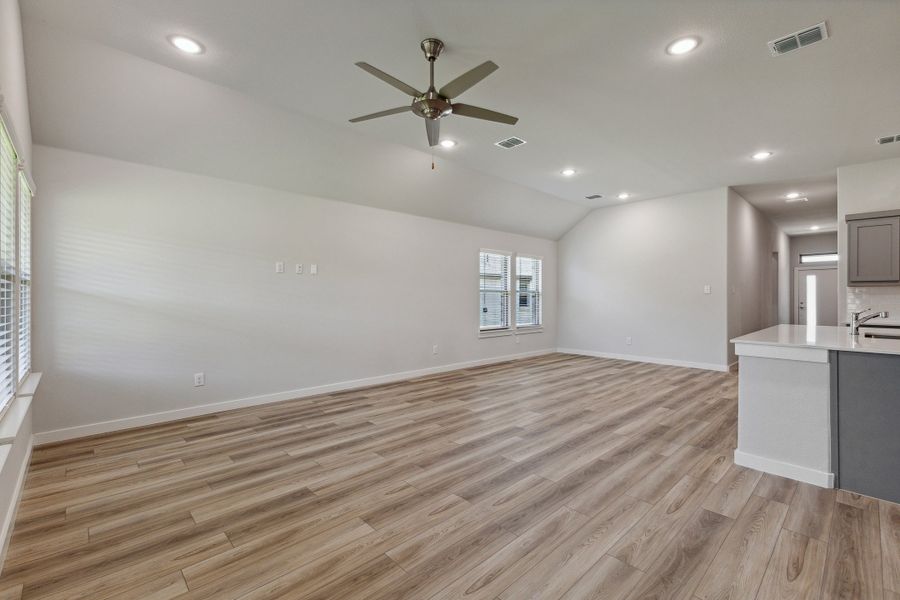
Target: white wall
864, 188
144, 276
755, 296
12, 76
15, 105
638, 270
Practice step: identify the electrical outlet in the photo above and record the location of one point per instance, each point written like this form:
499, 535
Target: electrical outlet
707, 289
517, 339
279, 266
199, 379
434, 349
299, 269
628, 340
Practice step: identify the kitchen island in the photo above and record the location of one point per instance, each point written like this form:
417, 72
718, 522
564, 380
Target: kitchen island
821, 406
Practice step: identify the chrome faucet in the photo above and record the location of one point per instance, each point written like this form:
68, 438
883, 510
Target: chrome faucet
856, 319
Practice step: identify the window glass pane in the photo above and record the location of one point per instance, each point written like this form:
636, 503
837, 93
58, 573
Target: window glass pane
811, 308
817, 258
528, 286
494, 290
8, 177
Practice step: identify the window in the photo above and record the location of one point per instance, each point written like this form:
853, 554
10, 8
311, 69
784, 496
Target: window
806, 259
494, 290
528, 287
15, 270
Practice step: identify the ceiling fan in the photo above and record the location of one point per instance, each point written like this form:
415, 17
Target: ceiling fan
433, 104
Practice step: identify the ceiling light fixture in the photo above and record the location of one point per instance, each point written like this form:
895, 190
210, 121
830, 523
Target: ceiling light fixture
448, 143
683, 45
186, 44
624, 196
814, 228
568, 172
762, 155
793, 195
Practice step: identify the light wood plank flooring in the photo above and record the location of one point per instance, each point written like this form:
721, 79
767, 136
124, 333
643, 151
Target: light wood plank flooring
558, 477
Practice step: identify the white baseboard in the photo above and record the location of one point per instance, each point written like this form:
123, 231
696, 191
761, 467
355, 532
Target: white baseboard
648, 359
9, 518
69, 433
783, 469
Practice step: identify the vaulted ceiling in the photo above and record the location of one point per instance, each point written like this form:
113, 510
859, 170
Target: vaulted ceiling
268, 102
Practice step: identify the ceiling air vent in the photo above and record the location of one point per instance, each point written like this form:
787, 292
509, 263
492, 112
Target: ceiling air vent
594, 196
800, 199
510, 142
889, 139
799, 39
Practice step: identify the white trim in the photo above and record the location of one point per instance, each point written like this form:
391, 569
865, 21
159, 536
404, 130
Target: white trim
798, 353
649, 359
9, 518
783, 469
13, 418
68, 433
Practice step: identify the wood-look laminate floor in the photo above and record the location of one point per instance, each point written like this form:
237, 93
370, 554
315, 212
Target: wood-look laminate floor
558, 477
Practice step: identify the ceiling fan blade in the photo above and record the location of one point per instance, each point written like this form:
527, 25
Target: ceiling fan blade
468, 79
389, 79
475, 112
433, 129
384, 113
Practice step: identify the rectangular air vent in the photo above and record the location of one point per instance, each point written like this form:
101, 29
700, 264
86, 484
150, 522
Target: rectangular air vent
510, 142
799, 39
889, 139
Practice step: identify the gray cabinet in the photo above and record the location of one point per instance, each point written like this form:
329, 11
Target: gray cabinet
873, 249
868, 422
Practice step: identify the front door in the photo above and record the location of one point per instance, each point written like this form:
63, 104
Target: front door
816, 297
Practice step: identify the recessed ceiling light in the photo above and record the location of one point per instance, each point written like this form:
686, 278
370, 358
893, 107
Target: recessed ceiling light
793, 195
762, 155
448, 143
624, 196
683, 45
186, 44
814, 228
568, 172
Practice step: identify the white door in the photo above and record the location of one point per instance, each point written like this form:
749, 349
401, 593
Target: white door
816, 296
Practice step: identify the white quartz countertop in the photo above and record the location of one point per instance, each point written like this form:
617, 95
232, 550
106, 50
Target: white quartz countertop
826, 338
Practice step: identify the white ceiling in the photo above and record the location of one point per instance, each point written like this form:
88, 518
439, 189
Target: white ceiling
589, 80
796, 218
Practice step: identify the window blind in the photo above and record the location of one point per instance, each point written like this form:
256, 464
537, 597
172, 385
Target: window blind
8, 183
528, 291
24, 277
494, 290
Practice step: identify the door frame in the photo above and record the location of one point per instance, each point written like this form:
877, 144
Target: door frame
795, 309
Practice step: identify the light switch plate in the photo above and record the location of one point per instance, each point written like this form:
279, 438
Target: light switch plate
279, 266
313, 269
707, 289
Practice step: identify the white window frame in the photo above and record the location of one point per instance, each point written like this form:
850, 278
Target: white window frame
540, 293
512, 292
18, 382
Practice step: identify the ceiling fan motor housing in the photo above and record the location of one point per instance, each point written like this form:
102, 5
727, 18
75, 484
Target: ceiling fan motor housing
432, 105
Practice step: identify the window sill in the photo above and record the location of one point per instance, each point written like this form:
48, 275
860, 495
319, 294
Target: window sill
11, 420
492, 333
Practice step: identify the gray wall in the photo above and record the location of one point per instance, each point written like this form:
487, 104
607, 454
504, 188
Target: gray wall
756, 262
638, 270
144, 276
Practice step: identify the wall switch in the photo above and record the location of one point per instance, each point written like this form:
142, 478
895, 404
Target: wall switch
279, 266
199, 379
628, 340
313, 269
299, 269
434, 349
517, 338
707, 289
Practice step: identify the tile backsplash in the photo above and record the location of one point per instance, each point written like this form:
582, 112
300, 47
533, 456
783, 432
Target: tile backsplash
877, 298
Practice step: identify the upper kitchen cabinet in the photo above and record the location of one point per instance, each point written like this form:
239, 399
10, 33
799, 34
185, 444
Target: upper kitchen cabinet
873, 248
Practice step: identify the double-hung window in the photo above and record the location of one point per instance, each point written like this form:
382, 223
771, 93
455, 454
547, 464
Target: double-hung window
510, 291
15, 271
